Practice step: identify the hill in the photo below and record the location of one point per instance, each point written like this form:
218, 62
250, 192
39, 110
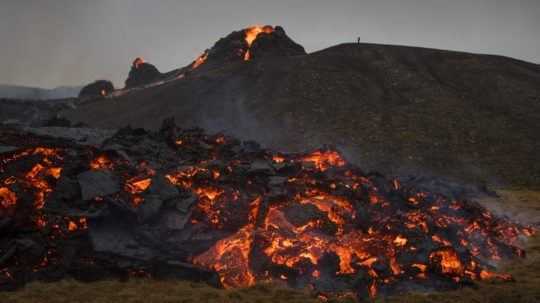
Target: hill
24, 92
401, 110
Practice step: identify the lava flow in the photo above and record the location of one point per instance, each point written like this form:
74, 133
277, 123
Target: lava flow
200, 60
245, 214
251, 34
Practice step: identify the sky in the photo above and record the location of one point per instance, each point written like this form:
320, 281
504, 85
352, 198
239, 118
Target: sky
50, 43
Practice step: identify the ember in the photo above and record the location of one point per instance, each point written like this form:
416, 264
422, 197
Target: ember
136, 187
217, 208
101, 162
325, 160
448, 261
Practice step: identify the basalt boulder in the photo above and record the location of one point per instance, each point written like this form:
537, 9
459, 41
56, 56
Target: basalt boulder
142, 73
275, 44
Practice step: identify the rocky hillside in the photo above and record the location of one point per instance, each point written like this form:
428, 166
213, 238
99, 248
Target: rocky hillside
397, 109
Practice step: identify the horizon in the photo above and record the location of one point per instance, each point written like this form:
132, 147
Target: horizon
308, 52
72, 43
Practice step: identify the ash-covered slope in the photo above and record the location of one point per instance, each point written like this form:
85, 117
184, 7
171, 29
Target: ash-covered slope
391, 108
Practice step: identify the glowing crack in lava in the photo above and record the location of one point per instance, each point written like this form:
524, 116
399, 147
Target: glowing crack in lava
101, 162
324, 160
231, 255
7, 198
298, 249
251, 34
305, 219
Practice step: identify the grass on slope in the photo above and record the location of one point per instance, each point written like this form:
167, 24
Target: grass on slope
148, 291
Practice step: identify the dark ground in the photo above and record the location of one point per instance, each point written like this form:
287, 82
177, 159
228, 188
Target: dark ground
399, 110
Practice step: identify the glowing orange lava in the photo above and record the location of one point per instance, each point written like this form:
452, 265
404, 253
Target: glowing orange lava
229, 257
251, 34
307, 219
101, 163
39, 176
136, 187
325, 159
448, 260
7, 198
200, 60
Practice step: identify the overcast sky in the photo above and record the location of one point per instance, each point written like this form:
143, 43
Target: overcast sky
50, 43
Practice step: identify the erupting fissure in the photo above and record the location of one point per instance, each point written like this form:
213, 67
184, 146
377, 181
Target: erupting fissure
251, 34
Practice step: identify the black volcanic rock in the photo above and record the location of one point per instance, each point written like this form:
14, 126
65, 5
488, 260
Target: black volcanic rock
228, 49
97, 88
142, 73
275, 44
269, 42
400, 110
67, 208
96, 184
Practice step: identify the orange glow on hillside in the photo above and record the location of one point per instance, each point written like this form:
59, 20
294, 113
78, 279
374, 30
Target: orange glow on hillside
251, 35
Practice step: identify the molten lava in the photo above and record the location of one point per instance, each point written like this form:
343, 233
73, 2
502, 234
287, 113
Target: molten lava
7, 198
325, 159
252, 215
301, 246
200, 60
137, 187
448, 261
230, 258
251, 34
101, 162
77, 225
40, 175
